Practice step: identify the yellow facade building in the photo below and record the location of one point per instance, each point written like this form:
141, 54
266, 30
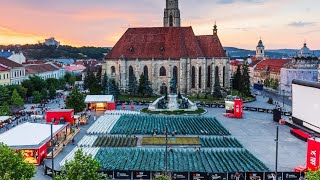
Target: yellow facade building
4, 76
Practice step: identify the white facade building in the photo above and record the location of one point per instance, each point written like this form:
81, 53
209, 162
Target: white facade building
17, 71
13, 56
44, 71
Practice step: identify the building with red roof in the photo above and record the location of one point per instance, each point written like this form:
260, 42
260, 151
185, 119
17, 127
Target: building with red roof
17, 71
44, 71
269, 68
163, 53
4, 76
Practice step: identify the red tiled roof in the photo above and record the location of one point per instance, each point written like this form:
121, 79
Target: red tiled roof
274, 65
211, 46
4, 69
75, 68
164, 43
9, 63
253, 63
34, 62
39, 68
57, 64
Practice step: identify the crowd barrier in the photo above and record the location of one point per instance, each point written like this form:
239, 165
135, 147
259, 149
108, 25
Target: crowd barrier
148, 175
219, 105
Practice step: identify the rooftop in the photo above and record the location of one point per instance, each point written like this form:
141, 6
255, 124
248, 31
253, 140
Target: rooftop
165, 43
99, 98
273, 65
75, 68
39, 68
8, 63
29, 135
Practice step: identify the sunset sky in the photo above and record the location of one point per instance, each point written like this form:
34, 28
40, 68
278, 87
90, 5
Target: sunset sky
280, 23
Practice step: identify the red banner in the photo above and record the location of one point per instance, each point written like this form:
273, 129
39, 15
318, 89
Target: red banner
313, 155
238, 108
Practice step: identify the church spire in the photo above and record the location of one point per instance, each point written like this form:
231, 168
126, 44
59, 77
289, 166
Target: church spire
215, 30
171, 14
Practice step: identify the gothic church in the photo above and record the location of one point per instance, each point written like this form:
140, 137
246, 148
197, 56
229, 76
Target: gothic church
172, 51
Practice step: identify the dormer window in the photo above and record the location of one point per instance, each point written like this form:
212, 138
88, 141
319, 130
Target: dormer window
131, 49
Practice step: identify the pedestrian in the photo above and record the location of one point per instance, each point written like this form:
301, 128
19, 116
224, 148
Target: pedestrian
94, 118
72, 141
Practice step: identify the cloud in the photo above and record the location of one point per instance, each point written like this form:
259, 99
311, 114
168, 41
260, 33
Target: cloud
301, 24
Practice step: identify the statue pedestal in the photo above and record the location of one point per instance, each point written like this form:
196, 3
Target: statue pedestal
173, 103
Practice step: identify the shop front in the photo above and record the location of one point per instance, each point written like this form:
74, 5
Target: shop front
100, 102
33, 140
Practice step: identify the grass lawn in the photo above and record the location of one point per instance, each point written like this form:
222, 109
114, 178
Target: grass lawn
136, 98
171, 141
178, 112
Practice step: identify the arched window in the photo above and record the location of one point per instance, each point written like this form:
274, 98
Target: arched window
209, 76
200, 77
175, 74
170, 20
145, 71
216, 73
113, 71
193, 77
163, 71
131, 72
224, 76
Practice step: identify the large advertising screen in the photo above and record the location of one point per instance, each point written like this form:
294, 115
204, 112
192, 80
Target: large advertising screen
306, 104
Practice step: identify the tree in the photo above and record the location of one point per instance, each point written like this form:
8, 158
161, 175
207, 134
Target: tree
52, 92
29, 86
20, 89
16, 99
4, 94
53, 82
144, 86
44, 94
267, 82
36, 97
38, 83
72, 80
13, 165
113, 88
162, 177
236, 79
5, 109
67, 77
133, 85
75, 100
81, 167
245, 81
104, 84
313, 175
217, 88
61, 83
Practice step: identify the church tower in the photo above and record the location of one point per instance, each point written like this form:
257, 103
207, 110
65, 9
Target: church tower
260, 50
171, 14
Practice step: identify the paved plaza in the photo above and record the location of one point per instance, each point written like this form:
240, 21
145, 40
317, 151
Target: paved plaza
256, 131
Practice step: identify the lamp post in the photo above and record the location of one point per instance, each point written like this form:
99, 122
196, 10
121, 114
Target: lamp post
282, 98
52, 148
277, 141
166, 153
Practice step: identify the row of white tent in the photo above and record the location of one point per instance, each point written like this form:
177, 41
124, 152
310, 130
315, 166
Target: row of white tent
86, 150
121, 112
87, 141
104, 124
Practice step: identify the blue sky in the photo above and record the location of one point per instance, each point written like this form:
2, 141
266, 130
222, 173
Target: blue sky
280, 23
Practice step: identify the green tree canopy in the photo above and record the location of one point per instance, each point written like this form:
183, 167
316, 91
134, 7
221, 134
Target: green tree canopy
16, 99
104, 84
52, 91
27, 84
72, 80
37, 97
236, 79
245, 81
217, 88
113, 88
44, 94
4, 94
144, 86
313, 175
5, 109
38, 83
81, 167
75, 100
20, 89
133, 85
12, 165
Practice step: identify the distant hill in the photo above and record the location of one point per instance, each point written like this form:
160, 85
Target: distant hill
40, 51
273, 53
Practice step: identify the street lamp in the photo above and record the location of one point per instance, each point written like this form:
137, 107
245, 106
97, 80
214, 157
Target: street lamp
52, 148
277, 141
283, 98
166, 153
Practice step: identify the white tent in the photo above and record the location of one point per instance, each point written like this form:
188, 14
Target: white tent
29, 134
99, 99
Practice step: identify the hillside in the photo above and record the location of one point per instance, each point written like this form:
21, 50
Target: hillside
39, 51
273, 53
